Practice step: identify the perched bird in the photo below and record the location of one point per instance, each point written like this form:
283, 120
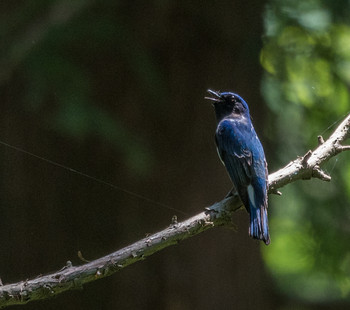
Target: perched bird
242, 154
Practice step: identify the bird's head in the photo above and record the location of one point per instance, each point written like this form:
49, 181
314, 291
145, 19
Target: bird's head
228, 104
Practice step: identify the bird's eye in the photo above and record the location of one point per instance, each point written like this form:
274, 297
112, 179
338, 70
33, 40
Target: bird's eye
238, 107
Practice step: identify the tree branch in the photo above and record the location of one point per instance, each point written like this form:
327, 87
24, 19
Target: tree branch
219, 214
308, 166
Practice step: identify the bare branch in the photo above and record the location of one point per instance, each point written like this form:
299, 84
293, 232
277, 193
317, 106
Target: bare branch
297, 169
71, 277
219, 214
319, 173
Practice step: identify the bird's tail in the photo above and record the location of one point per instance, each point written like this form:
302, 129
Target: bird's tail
259, 226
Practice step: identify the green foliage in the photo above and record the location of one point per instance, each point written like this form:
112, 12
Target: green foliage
307, 61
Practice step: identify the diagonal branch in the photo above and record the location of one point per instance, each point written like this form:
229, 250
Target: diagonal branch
308, 166
219, 214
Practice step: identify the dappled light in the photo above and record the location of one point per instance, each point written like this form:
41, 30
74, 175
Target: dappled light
106, 138
306, 55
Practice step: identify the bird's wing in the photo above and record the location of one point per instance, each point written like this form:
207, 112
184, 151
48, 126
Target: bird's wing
235, 154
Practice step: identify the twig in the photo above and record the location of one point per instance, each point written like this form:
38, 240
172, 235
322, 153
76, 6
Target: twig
219, 214
308, 166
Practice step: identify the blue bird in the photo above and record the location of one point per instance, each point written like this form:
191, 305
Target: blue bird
241, 152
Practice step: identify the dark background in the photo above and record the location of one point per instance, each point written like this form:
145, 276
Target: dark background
115, 90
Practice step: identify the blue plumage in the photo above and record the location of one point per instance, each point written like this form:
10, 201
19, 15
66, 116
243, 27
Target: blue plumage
241, 152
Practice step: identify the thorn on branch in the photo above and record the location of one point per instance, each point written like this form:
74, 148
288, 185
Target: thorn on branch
345, 147
98, 274
69, 264
174, 222
208, 223
305, 159
275, 192
210, 211
81, 257
320, 140
317, 172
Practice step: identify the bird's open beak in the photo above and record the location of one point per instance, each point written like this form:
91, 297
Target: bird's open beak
216, 95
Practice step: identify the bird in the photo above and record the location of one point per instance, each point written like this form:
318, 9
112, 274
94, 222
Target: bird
242, 154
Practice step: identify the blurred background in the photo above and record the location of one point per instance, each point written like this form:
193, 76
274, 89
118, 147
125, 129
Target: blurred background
115, 90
